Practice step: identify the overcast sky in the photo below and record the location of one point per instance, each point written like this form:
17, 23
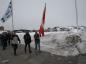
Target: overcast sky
28, 13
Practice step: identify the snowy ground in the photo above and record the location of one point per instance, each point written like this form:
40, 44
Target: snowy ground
55, 43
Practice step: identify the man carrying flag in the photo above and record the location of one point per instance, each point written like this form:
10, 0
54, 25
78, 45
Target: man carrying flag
41, 30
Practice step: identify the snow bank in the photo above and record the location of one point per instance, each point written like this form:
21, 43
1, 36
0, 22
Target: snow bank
55, 43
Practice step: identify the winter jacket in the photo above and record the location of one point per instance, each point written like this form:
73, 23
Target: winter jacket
15, 39
37, 37
27, 38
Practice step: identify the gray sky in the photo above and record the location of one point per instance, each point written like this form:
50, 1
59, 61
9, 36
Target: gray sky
28, 13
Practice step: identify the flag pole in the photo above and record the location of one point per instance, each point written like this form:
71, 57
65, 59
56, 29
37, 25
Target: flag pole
12, 16
76, 15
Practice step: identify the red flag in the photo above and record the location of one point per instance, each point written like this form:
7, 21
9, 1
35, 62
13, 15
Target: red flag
43, 18
41, 30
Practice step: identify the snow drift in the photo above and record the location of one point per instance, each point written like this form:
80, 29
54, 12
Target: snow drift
56, 43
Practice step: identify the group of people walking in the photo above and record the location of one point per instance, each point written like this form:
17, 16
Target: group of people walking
13, 39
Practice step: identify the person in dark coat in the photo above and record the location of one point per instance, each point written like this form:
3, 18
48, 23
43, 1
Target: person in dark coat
27, 40
37, 41
4, 40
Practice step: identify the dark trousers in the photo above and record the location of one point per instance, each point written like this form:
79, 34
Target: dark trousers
9, 42
0, 43
27, 44
37, 45
15, 46
4, 44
